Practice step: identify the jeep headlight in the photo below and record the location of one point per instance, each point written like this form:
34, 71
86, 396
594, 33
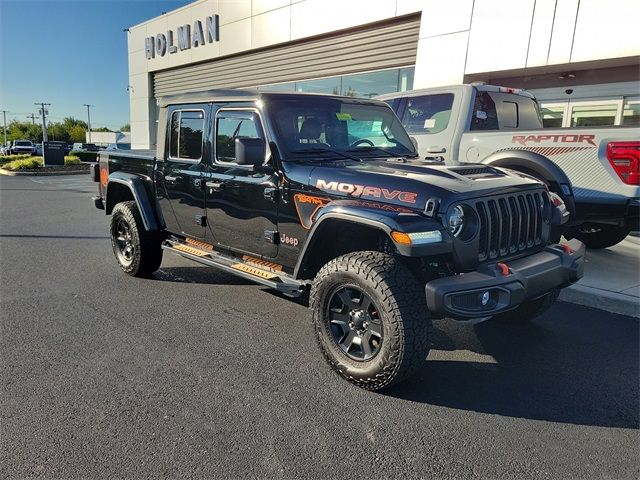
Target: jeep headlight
456, 220
462, 222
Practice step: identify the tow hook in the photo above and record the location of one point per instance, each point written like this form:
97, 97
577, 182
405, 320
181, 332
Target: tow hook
504, 268
567, 249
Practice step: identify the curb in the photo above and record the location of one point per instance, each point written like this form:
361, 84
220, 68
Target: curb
44, 173
612, 302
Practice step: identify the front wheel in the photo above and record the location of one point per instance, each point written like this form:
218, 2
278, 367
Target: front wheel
370, 318
598, 236
139, 252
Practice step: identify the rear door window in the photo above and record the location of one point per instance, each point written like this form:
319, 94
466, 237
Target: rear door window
427, 114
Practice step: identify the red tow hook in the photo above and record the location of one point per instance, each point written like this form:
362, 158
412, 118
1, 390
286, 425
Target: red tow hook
503, 268
567, 249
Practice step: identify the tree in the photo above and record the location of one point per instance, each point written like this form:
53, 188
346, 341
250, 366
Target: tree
17, 130
101, 129
125, 128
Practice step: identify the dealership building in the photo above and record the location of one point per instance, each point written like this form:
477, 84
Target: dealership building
579, 57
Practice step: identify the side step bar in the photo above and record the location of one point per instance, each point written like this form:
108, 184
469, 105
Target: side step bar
245, 269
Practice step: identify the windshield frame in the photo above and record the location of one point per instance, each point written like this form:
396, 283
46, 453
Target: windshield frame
275, 103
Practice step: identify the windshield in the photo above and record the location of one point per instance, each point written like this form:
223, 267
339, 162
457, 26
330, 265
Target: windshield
23, 144
320, 124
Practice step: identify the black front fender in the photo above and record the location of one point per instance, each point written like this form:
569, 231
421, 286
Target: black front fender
385, 218
147, 204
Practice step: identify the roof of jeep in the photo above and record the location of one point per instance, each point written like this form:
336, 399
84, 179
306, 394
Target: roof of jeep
230, 95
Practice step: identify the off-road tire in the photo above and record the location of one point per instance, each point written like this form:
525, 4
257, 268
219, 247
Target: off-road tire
400, 300
527, 311
147, 251
596, 236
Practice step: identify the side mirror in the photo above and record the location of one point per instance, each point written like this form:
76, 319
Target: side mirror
415, 142
250, 151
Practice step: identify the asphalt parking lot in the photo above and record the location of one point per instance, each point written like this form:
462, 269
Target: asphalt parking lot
197, 373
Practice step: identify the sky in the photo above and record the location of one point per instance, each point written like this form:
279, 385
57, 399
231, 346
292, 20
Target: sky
68, 53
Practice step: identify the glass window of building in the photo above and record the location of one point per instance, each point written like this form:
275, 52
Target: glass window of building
593, 115
362, 85
329, 85
552, 116
631, 112
369, 85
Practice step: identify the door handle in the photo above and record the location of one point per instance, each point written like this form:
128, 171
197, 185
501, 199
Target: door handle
435, 149
215, 186
271, 193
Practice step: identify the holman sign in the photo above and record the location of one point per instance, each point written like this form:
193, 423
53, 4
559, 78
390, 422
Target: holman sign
161, 43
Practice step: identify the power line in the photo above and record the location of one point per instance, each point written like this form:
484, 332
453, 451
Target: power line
33, 117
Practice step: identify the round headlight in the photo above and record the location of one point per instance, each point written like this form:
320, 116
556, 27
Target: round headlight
456, 220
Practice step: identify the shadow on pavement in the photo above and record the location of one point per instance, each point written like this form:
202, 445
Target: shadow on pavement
197, 274
67, 237
572, 365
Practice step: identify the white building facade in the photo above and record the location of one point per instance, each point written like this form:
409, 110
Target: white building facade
579, 57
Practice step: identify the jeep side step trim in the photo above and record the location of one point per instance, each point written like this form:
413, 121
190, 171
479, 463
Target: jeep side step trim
246, 269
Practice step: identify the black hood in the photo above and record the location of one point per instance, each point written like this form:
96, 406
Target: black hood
410, 184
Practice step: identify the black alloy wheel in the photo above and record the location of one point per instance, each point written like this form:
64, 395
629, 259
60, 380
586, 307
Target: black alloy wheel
355, 323
125, 248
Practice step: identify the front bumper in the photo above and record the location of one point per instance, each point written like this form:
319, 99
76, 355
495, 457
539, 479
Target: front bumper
491, 290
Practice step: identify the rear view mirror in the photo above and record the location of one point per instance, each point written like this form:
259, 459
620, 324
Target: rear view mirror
250, 151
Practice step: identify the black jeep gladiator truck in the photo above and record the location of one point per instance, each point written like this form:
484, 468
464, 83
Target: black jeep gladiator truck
327, 195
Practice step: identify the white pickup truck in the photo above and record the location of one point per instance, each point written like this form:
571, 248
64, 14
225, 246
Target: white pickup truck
594, 169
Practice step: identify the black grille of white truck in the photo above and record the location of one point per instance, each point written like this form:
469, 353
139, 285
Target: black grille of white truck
510, 224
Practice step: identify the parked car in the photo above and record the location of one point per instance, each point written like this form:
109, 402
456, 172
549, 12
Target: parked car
594, 169
85, 147
119, 146
38, 149
4, 150
22, 147
327, 195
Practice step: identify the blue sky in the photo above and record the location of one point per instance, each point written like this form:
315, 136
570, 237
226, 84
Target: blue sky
67, 53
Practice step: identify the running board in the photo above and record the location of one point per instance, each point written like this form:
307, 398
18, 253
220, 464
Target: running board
246, 268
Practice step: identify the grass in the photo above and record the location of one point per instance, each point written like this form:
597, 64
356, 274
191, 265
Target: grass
33, 163
11, 158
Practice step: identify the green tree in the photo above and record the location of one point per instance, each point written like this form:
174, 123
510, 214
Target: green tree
101, 129
125, 128
17, 130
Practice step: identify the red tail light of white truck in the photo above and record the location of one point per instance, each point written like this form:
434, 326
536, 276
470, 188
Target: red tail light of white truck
624, 157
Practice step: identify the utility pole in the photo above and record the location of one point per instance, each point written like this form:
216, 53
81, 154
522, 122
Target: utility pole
88, 119
4, 115
33, 118
43, 112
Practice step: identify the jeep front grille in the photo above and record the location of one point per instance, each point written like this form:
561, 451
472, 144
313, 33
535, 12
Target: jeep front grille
510, 224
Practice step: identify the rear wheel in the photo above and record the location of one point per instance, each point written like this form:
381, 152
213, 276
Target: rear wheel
598, 236
139, 252
530, 310
371, 319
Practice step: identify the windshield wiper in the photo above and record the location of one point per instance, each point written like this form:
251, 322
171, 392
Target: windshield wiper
368, 148
328, 150
383, 150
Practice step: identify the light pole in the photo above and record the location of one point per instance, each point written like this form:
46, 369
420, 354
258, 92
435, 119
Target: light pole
43, 112
88, 119
4, 115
